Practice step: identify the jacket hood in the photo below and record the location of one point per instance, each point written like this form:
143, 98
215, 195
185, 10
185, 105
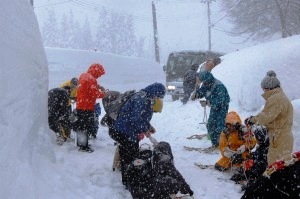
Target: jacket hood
155, 90
96, 70
233, 118
206, 77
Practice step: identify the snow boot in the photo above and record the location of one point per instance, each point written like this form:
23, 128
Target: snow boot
82, 138
59, 139
86, 149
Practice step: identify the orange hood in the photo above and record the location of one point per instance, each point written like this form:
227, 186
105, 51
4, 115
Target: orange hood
233, 118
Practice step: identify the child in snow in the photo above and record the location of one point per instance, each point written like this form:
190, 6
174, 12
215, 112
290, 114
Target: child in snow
235, 144
257, 163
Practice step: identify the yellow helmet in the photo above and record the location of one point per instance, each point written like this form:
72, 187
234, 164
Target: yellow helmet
158, 105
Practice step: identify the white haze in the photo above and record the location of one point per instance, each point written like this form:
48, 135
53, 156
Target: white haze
34, 167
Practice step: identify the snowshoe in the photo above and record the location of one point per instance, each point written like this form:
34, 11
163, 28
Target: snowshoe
196, 136
86, 149
204, 166
210, 150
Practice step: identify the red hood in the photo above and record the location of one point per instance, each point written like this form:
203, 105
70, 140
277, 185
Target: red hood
96, 70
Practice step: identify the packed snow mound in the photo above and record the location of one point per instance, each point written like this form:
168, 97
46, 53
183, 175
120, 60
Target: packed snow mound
249, 66
25, 144
132, 72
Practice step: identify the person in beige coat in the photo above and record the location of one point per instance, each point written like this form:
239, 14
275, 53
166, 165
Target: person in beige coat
277, 116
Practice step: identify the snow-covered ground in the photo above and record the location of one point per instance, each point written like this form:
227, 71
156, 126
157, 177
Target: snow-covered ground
33, 166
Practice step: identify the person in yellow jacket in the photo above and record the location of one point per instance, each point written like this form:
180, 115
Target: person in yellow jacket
235, 143
73, 84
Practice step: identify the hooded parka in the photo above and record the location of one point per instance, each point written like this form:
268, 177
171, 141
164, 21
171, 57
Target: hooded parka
88, 90
233, 140
277, 116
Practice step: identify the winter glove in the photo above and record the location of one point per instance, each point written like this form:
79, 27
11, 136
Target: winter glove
279, 164
241, 149
152, 129
248, 164
228, 152
236, 158
248, 121
193, 97
203, 103
141, 136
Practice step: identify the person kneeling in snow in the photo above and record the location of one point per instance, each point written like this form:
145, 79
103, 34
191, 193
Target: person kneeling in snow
153, 175
257, 163
279, 181
235, 144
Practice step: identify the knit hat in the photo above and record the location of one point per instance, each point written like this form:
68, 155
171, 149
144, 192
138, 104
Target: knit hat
270, 81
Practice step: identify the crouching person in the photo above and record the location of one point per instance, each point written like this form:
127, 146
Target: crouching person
279, 181
234, 144
257, 163
153, 175
133, 121
58, 112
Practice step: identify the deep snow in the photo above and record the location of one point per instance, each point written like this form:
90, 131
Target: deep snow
33, 166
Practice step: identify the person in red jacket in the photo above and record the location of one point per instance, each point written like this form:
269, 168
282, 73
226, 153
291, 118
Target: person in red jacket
87, 94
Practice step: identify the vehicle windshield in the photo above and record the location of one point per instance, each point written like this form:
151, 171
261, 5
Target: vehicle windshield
179, 64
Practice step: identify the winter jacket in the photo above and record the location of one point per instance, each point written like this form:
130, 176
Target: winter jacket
233, 140
58, 110
135, 115
277, 116
73, 94
88, 90
216, 93
282, 184
259, 156
189, 81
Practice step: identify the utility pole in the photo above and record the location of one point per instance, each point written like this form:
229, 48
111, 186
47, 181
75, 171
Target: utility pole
155, 33
208, 22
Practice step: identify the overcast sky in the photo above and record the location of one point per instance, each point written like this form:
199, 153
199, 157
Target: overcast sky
182, 25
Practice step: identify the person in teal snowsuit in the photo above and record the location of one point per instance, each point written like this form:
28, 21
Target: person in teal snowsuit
218, 99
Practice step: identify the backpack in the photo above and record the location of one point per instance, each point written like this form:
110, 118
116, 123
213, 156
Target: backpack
114, 101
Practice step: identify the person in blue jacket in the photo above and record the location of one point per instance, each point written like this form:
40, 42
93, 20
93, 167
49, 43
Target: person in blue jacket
133, 122
217, 97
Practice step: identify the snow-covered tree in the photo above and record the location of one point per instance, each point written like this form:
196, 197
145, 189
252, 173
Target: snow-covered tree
50, 30
262, 19
86, 40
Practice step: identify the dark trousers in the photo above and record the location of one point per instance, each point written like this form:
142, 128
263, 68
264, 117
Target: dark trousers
83, 126
128, 151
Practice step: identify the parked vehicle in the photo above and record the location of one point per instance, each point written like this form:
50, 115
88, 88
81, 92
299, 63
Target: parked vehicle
178, 64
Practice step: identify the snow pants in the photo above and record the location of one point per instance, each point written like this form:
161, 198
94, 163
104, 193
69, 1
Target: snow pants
128, 151
83, 126
216, 123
